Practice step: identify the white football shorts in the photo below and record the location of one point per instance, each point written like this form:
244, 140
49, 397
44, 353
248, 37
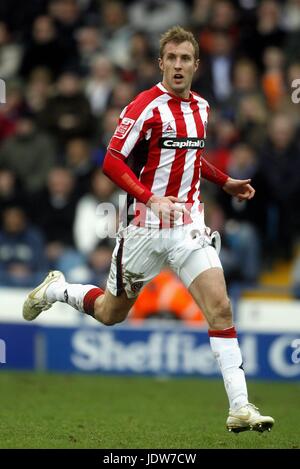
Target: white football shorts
141, 253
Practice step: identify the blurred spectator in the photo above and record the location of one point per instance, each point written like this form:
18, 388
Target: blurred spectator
10, 191
100, 83
273, 77
216, 72
93, 223
291, 15
19, 15
10, 54
61, 115
156, 16
79, 161
122, 94
241, 250
22, 259
67, 19
54, 211
201, 13
146, 74
251, 118
44, 49
280, 162
116, 31
265, 32
223, 134
99, 264
94, 269
11, 110
29, 154
222, 19
89, 45
243, 164
245, 83
107, 127
140, 48
286, 104
38, 90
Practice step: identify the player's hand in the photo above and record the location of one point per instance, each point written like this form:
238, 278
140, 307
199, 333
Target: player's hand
165, 208
239, 188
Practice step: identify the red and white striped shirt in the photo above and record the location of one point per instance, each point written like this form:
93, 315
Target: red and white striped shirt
164, 136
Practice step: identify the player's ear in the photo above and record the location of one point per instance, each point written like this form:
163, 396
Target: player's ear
160, 64
197, 64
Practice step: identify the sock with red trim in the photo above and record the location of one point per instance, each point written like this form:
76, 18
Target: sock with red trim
80, 297
89, 300
226, 350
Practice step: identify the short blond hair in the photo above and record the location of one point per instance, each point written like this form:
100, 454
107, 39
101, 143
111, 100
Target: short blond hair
178, 35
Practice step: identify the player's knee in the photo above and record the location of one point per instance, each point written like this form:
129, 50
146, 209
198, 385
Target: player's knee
110, 317
109, 321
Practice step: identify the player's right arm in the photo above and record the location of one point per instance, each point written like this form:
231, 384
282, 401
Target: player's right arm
118, 171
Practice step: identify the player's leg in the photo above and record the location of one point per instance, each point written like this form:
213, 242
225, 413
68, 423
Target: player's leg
203, 276
88, 299
110, 309
134, 263
209, 291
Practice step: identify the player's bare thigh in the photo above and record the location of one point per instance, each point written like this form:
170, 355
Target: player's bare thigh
110, 309
210, 293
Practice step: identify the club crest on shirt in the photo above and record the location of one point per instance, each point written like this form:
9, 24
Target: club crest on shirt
124, 127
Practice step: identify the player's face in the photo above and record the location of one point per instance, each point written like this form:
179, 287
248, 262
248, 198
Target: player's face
178, 65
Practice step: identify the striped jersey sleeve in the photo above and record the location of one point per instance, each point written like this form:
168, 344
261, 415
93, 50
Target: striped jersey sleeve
134, 121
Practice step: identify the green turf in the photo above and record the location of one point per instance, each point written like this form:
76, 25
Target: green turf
75, 411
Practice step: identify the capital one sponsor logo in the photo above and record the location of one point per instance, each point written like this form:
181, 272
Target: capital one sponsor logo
191, 143
2, 92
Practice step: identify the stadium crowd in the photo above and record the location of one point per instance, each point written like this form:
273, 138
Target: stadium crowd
70, 66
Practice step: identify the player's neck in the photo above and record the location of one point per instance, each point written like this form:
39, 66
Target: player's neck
185, 94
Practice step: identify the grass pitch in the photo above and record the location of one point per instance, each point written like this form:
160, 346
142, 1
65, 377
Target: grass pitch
75, 411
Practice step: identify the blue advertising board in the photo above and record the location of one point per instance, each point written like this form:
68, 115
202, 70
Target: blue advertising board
18, 346
173, 352
147, 350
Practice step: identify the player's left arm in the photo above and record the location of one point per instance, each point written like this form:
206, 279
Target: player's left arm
240, 188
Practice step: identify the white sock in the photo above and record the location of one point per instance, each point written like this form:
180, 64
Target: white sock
228, 355
70, 293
